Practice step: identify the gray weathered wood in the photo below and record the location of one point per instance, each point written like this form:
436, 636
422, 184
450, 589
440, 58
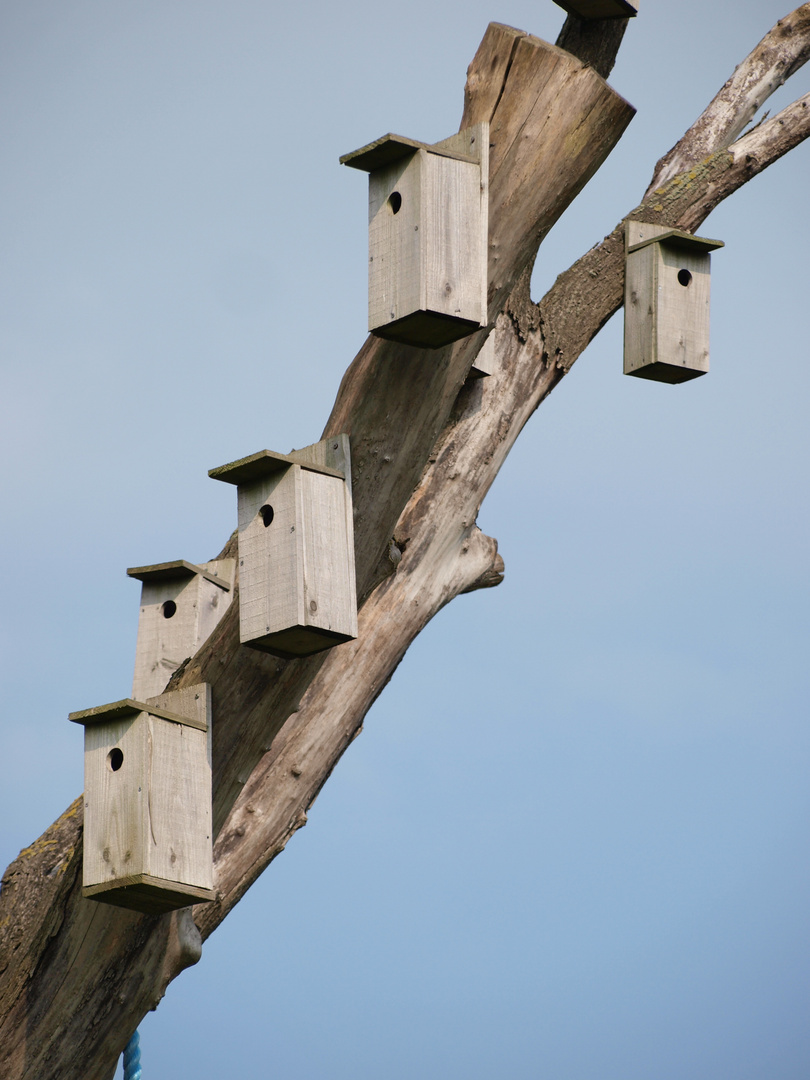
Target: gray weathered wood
181, 603
428, 213
666, 309
147, 801
297, 588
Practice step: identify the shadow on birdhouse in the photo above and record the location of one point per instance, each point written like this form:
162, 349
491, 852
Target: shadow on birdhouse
181, 603
428, 215
297, 592
666, 303
147, 801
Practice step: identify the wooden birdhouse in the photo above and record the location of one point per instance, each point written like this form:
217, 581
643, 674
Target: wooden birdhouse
297, 592
147, 801
600, 9
666, 303
181, 603
428, 213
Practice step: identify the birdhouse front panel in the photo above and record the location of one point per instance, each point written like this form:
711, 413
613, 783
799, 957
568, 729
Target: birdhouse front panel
147, 801
667, 292
395, 235
181, 604
271, 554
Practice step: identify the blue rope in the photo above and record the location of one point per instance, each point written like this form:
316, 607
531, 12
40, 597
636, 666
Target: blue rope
132, 1058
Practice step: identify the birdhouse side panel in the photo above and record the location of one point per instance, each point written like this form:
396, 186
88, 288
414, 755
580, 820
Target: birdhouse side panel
454, 241
178, 833
213, 603
270, 555
395, 241
167, 632
115, 798
330, 593
640, 301
683, 309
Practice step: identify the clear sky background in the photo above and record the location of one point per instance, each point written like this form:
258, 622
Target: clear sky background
571, 842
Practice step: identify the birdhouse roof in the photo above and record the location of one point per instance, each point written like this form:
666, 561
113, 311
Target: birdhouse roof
119, 710
390, 148
676, 238
172, 571
262, 464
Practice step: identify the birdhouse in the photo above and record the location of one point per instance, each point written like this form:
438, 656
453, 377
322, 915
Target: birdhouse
600, 9
666, 303
297, 592
147, 801
427, 258
181, 603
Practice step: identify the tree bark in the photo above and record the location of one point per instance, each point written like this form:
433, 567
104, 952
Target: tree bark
426, 446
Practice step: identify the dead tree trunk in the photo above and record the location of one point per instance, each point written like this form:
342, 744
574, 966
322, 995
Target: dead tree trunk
76, 977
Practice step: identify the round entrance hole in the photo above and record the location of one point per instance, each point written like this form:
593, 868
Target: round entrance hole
267, 514
395, 202
684, 277
169, 608
115, 759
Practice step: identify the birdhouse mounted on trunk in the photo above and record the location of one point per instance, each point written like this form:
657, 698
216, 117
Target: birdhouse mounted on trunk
600, 9
666, 303
428, 219
181, 603
297, 592
147, 801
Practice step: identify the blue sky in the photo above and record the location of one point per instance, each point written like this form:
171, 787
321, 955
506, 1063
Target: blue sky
571, 841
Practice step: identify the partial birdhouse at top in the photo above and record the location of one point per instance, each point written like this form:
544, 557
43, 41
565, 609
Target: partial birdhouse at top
147, 801
428, 221
600, 9
297, 591
181, 603
666, 303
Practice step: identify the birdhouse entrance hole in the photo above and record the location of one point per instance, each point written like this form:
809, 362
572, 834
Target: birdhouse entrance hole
684, 278
395, 202
169, 608
267, 514
115, 758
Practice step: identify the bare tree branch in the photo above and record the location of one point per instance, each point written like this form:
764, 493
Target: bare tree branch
780, 54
